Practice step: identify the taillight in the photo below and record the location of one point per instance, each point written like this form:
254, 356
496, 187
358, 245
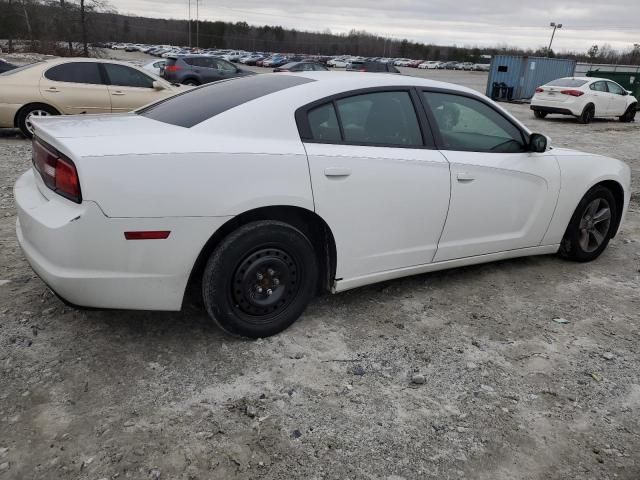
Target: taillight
172, 68
539, 90
573, 93
57, 171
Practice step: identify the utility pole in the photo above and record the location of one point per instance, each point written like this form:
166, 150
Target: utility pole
555, 27
197, 23
189, 21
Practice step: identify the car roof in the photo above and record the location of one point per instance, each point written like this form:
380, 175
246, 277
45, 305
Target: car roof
344, 81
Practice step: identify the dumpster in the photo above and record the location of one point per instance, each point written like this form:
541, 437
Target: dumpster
628, 80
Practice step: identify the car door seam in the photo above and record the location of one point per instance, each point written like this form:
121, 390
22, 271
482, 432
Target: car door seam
446, 217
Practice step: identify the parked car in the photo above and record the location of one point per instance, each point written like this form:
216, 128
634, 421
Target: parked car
275, 61
276, 204
6, 66
341, 62
430, 65
481, 67
253, 60
364, 66
465, 66
414, 63
301, 67
449, 65
200, 69
73, 86
584, 98
156, 67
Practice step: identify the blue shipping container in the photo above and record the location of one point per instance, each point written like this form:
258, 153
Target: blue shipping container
517, 78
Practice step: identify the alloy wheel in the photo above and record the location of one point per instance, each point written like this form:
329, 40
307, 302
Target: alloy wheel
594, 225
34, 113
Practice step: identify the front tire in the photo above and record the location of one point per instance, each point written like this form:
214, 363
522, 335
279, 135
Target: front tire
191, 83
260, 279
31, 111
539, 114
587, 115
591, 226
629, 115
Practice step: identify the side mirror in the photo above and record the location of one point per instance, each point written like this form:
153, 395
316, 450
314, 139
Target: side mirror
537, 143
157, 85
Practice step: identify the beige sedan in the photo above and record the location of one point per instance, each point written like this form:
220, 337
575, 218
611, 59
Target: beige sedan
76, 86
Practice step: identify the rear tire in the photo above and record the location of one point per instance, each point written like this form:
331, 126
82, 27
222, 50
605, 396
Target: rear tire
539, 114
260, 279
23, 120
629, 115
591, 226
587, 115
191, 83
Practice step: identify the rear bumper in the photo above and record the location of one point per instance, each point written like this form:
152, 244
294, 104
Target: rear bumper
561, 111
82, 255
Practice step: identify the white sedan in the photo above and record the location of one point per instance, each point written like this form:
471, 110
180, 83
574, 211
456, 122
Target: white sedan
155, 67
584, 98
264, 190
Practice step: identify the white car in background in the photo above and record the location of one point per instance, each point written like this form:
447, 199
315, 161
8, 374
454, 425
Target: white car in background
155, 67
342, 62
585, 98
430, 65
261, 191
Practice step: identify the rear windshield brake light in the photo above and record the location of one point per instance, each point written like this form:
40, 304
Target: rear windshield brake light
57, 171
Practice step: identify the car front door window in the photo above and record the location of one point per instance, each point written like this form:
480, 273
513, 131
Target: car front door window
124, 76
467, 124
615, 88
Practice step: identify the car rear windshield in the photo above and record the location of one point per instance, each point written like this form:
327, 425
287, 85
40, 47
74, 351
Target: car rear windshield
567, 82
196, 106
20, 69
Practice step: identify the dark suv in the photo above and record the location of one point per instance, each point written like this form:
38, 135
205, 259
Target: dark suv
199, 69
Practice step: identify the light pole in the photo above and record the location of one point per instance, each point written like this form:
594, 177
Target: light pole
189, 22
197, 23
555, 27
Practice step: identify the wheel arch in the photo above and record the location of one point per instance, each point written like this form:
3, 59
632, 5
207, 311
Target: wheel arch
618, 194
32, 104
307, 221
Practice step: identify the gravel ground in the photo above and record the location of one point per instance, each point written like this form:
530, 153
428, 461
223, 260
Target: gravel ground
458, 374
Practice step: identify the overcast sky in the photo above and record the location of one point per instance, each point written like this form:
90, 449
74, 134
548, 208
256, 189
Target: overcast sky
523, 23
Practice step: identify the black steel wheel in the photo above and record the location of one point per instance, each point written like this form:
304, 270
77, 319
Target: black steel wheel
588, 114
260, 279
629, 115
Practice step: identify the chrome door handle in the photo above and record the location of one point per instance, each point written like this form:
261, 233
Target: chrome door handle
118, 93
52, 90
465, 177
337, 172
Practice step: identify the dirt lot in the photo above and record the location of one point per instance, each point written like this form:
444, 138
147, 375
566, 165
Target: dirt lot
508, 393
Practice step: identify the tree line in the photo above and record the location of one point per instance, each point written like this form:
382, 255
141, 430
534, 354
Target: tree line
68, 27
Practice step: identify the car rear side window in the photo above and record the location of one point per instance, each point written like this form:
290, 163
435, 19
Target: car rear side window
75, 72
196, 106
323, 123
